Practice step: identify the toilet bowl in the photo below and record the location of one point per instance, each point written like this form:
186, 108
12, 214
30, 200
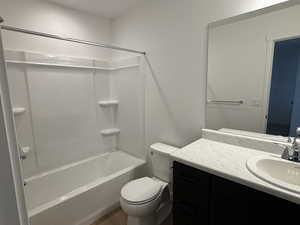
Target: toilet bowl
141, 200
147, 200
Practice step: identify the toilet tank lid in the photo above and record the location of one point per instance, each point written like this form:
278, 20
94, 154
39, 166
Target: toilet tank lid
140, 190
163, 148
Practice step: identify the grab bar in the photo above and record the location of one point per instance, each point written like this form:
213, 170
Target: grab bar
238, 102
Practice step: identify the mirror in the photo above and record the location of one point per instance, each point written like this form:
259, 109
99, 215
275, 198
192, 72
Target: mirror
253, 79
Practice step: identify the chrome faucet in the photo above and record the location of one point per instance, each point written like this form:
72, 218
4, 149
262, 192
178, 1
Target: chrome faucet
291, 153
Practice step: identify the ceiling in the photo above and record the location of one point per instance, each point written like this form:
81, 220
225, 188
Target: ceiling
107, 8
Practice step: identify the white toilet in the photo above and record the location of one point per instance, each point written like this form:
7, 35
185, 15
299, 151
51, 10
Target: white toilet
147, 201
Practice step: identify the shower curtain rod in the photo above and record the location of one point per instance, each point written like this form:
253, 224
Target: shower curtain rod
58, 37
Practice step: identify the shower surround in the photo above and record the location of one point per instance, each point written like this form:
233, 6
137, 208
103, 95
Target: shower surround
71, 115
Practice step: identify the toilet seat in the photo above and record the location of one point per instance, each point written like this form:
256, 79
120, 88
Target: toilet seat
141, 191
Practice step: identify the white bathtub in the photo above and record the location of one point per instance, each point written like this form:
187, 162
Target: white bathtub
80, 193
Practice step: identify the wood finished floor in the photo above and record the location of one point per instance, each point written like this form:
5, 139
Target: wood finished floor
118, 217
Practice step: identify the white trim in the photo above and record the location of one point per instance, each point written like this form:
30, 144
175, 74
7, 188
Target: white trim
283, 37
205, 77
267, 83
254, 13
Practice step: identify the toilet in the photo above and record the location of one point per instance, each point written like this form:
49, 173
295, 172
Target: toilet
147, 201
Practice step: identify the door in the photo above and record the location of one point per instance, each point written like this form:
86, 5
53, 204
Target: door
285, 71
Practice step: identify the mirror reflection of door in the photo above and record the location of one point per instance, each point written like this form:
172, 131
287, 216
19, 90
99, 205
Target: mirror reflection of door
284, 101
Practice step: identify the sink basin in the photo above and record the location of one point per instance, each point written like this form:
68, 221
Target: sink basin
279, 172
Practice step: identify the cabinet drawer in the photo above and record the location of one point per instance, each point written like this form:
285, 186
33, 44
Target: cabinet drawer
189, 173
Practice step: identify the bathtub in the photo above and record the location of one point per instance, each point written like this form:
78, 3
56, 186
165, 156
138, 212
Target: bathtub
82, 192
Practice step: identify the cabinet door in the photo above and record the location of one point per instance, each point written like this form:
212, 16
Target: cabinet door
185, 215
229, 203
268, 209
204, 199
236, 204
191, 196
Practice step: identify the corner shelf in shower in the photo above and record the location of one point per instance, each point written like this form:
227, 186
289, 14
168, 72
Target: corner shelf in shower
18, 110
110, 132
107, 103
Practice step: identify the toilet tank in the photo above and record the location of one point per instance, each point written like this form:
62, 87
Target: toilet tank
161, 160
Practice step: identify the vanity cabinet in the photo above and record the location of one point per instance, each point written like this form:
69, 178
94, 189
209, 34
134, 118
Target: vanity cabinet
204, 199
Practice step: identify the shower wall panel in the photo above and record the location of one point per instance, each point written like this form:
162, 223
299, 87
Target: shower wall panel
128, 88
64, 115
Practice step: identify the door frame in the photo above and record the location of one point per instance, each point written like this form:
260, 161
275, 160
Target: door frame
270, 43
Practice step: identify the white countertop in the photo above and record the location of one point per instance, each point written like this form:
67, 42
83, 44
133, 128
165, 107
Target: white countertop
228, 161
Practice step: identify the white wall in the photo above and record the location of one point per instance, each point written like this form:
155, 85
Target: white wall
173, 33
237, 68
50, 18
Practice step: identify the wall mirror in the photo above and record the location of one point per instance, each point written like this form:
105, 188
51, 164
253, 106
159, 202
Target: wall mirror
253, 80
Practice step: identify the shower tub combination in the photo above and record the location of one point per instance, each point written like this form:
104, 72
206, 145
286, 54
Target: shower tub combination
80, 193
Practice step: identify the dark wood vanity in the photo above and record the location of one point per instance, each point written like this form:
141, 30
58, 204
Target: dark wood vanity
201, 198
